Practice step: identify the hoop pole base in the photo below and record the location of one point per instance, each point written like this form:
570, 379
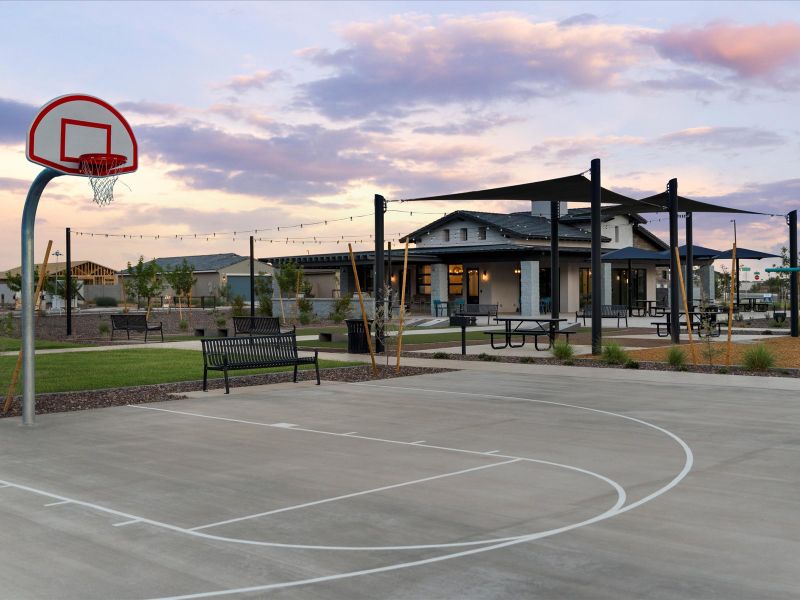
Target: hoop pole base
26, 293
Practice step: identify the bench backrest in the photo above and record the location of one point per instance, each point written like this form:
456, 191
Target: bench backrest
129, 321
607, 310
250, 350
478, 309
259, 325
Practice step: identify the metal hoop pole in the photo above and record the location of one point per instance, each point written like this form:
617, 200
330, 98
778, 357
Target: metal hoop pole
26, 293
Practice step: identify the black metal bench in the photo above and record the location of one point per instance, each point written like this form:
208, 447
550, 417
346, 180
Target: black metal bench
134, 322
257, 326
478, 310
607, 311
254, 352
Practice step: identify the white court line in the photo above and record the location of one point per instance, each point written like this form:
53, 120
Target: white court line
350, 433
5, 485
417, 442
353, 495
123, 523
60, 502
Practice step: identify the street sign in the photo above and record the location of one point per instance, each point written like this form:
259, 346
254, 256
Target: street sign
745, 269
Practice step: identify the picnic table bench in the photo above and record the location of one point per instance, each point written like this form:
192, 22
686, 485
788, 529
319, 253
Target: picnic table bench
704, 322
257, 326
134, 322
477, 310
607, 311
537, 331
254, 352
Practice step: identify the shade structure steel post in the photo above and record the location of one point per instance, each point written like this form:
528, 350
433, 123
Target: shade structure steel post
629, 284
793, 300
389, 276
555, 275
738, 285
597, 275
68, 282
689, 262
674, 291
252, 280
380, 207
27, 292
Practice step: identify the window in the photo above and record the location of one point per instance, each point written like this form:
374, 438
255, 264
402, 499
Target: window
424, 280
481, 233
455, 280
616, 233
446, 235
463, 234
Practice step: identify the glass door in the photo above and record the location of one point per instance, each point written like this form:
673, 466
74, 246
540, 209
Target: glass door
473, 286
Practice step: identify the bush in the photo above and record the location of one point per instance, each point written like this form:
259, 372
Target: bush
103, 327
487, 357
105, 301
237, 306
563, 350
758, 358
440, 355
222, 321
183, 325
527, 360
341, 308
306, 318
632, 364
306, 309
7, 325
676, 356
614, 354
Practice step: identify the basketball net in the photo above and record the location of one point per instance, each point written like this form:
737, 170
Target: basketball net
100, 170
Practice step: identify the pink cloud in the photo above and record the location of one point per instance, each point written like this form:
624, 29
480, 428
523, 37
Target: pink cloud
255, 81
748, 50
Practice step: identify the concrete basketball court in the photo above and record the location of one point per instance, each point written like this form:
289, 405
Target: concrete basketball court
468, 484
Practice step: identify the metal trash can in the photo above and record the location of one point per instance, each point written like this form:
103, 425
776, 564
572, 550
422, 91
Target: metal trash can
357, 337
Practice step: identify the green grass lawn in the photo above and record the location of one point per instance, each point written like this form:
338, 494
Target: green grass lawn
14, 344
121, 368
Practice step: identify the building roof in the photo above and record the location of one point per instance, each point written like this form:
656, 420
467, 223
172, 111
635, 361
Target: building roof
202, 263
519, 225
54, 267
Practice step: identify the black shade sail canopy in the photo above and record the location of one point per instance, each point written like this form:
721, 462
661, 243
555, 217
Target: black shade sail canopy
698, 252
745, 254
632, 253
573, 188
660, 203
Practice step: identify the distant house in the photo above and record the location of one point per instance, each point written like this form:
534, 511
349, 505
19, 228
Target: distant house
93, 279
213, 272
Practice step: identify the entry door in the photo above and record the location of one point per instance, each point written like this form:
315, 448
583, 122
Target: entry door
473, 288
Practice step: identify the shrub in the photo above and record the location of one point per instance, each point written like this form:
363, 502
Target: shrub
103, 327
527, 360
105, 301
222, 321
723, 370
7, 325
758, 358
440, 355
563, 350
183, 325
306, 318
487, 357
632, 364
676, 357
341, 308
237, 306
306, 309
614, 354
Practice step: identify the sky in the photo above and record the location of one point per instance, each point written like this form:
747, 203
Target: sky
264, 115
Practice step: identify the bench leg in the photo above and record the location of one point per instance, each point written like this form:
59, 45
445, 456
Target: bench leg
536, 343
129, 333
205, 379
227, 386
295, 373
491, 341
162, 333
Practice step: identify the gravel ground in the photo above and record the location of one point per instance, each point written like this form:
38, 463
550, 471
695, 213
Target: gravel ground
72, 401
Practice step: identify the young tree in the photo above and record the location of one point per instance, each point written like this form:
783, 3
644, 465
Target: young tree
263, 285
181, 279
144, 281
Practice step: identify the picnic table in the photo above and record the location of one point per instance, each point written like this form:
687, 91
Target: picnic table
551, 330
703, 321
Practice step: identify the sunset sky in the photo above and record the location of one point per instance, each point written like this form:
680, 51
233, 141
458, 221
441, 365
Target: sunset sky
254, 116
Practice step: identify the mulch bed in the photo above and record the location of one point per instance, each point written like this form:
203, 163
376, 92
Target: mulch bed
83, 400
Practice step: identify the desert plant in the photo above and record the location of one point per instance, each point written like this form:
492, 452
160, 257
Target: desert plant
487, 357
614, 354
758, 358
563, 350
237, 306
222, 321
7, 325
341, 308
631, 364
183, 324
676, 356
306, 309
105, 301
440, 355
103, 327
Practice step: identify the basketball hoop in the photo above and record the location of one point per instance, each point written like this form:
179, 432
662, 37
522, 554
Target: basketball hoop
101, 169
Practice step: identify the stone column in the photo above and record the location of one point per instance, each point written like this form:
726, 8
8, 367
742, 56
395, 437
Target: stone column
344, 281
707, 282
606, 283
529, 284
438, 285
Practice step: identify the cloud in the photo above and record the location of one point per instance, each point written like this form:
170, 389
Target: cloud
388, 67
157, 109
747, 50
11, 184
256, 81
581, 19
574, 150
473, 126
724, 137
681, 80
15, 118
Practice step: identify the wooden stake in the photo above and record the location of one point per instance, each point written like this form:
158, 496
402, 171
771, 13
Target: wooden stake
12, 387
685, 308
402, 308
730, 305
363, 311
